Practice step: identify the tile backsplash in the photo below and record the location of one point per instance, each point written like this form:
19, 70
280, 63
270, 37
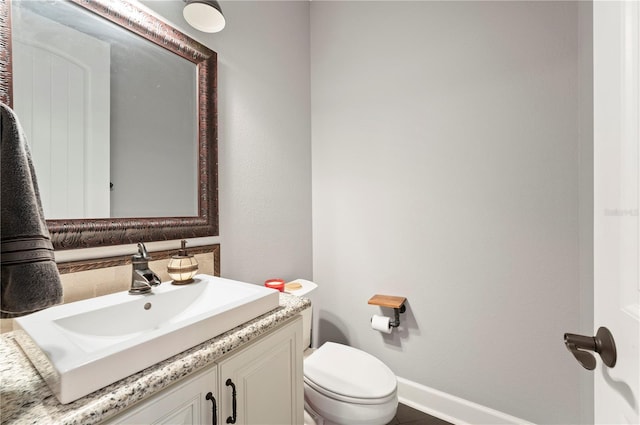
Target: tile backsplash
82, 284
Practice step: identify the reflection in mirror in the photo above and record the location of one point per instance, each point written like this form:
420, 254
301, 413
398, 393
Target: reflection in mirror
120, 110
111, 118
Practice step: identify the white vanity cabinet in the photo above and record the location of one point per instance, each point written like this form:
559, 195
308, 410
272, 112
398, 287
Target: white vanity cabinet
267, 376
268, 380
185, 403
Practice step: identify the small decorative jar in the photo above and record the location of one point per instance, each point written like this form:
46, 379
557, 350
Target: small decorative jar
277, 284
182, 266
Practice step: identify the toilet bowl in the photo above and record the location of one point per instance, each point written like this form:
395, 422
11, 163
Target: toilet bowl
344, 385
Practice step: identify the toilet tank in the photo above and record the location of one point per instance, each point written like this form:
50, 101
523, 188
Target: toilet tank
304, 288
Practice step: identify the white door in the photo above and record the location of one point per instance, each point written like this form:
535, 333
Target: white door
616, 192
61, 96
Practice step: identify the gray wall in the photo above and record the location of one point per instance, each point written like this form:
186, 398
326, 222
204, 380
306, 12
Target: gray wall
264, 136
451, 165
446, 168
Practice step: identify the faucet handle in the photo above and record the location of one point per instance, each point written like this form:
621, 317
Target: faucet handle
142, 253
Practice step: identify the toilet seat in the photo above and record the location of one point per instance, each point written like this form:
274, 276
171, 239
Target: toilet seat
347, 399
349, 375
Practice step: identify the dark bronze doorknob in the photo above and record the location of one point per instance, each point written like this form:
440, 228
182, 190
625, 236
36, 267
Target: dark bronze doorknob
602, 343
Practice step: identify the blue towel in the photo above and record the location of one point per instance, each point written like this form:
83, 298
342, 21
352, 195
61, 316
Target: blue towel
30, 280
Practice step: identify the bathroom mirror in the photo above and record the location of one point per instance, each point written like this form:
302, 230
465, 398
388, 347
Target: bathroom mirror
162, 126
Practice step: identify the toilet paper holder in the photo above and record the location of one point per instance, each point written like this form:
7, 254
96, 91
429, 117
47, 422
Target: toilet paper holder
390, 301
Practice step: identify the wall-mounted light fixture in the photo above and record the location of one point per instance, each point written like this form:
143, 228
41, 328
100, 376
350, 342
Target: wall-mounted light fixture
204, 15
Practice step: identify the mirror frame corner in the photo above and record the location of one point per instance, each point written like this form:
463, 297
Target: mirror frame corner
86, 233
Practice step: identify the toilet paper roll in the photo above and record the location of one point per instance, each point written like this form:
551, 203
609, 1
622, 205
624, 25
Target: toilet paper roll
381, 323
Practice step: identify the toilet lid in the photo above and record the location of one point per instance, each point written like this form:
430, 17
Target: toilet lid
346, 371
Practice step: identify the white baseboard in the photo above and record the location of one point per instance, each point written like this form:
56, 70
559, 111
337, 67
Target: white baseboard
451, 408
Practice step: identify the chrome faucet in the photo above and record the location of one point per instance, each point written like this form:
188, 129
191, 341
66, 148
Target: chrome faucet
142, 278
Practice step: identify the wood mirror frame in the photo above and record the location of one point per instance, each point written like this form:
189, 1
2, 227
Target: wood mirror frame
84, 233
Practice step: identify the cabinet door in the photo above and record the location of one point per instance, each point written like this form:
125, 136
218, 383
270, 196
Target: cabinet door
185, 403
268, 380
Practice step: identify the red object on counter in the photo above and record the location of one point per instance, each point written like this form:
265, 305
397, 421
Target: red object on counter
275, 284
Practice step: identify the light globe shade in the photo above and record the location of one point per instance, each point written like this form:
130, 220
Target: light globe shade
204, 15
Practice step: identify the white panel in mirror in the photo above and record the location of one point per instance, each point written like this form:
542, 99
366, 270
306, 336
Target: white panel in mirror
150, 166
62, 98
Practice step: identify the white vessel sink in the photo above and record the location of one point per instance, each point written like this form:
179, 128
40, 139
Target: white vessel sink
83, 346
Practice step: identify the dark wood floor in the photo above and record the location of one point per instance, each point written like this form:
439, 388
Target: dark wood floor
409, 416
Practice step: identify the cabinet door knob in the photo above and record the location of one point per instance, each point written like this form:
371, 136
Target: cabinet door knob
602, 343
210, 396
232, 419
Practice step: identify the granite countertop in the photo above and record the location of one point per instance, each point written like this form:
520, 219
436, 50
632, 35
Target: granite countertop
26, 399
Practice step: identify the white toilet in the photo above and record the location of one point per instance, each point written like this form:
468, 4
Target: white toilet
344, 385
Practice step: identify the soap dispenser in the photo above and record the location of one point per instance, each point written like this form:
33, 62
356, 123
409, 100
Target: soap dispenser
182, 266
